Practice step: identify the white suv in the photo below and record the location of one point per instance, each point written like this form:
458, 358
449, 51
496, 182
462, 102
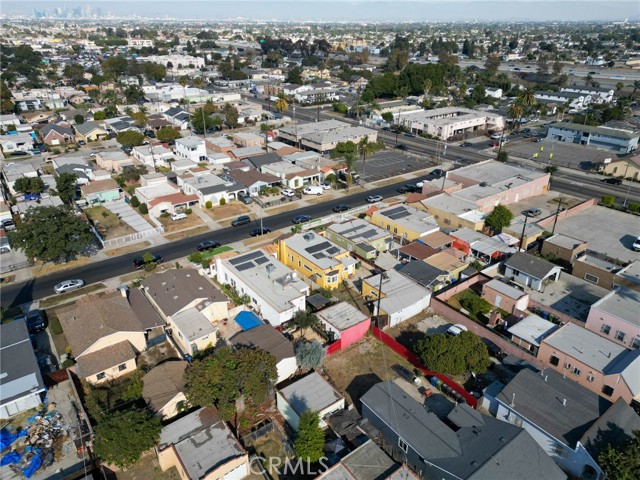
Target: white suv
636, 245
178, 216
287, 192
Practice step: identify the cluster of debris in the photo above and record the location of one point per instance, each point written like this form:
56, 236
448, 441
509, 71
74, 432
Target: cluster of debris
38, 445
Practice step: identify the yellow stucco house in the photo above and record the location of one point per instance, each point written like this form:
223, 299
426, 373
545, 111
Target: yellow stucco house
404, 221
316, 258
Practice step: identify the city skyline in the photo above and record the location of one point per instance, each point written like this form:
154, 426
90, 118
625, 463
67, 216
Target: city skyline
337, 11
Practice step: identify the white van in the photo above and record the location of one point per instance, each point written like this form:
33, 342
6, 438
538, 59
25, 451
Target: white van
313, 190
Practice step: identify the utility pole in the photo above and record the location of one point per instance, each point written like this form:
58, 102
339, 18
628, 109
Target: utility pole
522, 234
626, 195
555, 220
383, 276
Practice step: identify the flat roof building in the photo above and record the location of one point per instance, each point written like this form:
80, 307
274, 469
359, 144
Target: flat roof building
449, 122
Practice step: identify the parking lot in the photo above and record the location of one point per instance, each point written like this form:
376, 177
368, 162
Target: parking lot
564, 154
389, 163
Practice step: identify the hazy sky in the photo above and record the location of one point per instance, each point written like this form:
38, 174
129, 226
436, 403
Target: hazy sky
359, 10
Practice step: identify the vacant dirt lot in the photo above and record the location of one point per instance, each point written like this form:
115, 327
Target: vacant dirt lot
108, 224
169, 225
362, 365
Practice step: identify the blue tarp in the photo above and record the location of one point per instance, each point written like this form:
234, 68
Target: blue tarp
9, 458
7, 437
33, 467
248, 320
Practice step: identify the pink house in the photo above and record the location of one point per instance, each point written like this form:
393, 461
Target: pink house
345, 322
598, 364
616, 317
505, 296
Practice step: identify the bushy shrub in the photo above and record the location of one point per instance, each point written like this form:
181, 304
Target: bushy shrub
135, 203
634, 207
208, 204
188, 211
143, 208
608, 200
223, 201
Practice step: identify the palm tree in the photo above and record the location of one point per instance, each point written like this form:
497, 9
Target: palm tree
281, 103
365, 148
587, 80
183, 81
516, 111
198, 83
619, 86
528, 97
350, 160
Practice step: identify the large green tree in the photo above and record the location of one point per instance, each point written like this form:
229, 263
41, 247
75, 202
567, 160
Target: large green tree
51, 233
226, 375
6, 99
66, 185
123, 436
622, 463
499, 218
29, 185
453, 354
115, 67
130, 138
309, 444
200, 118
303, 320
231, 116
167, 134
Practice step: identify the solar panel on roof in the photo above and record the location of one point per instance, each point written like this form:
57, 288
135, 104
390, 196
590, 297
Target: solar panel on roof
333, 250
319, 255
261, 260
244, 266
368, 234
393, 211
245, 258
317, 248
400, 214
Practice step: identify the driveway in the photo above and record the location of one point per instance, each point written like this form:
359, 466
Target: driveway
128, 215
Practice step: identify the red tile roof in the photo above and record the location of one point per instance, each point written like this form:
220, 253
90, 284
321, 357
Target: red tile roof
174, 199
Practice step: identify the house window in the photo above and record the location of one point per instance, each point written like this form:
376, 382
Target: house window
590, 378
635, 343
576, 371
101, 376
555, 361
515, 419
307, 267
607, 390
605, 329
620, 335
567, 366
122, 367
403, 445
591, 278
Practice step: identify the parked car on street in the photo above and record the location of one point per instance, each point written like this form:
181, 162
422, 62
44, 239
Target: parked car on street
466, 144
374, 198
139, 262
409, 188
341, 208
68, 285
256, 232
241, 220
636, 245
8, 225
402, 146
301, 219
612, 181
437, 172
207, 245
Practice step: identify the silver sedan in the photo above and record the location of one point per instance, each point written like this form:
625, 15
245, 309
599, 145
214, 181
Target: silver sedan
68, 285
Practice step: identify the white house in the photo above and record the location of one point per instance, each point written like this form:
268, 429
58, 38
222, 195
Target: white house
153, 155
18, 142
191, 148
274, 290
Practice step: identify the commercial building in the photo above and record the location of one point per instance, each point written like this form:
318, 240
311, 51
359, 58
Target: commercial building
617, 140
316, 258
323, 136
450, 122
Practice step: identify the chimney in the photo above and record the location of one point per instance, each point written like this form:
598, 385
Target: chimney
564, 402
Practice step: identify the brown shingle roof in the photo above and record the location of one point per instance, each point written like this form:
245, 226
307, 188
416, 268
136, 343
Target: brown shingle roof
148, 317
268, 339
284, 151
174, 289
100, 186
106, 358
92, 318
437, 239
163, 383
418, 250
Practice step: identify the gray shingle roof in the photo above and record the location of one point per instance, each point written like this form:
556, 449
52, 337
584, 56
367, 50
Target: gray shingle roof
105, 358
268, 339
533, 266
162, 383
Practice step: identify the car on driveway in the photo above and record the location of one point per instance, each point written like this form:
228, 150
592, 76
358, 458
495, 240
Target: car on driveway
68, 285
140, 262
207, 245
241, 220
374, 198
636, 245
406, 374
532, 212
301, 219
456, 329
36, 322
341, 208
8, 224
326, 186
287, 192
612, 181
256, 232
